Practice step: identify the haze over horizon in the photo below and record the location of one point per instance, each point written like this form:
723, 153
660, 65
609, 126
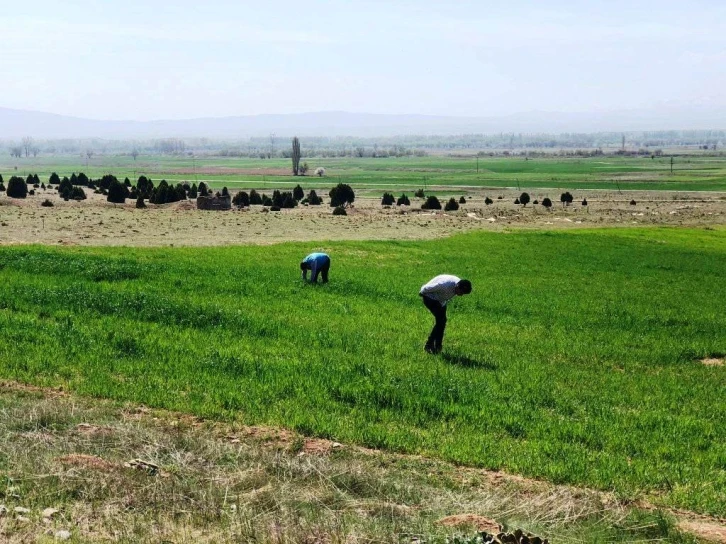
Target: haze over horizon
151, 61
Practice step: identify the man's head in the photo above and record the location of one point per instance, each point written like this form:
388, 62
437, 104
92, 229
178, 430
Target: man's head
304, 266
463, 287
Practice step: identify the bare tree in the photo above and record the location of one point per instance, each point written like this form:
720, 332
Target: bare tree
16, 151
295, 156
27, 145
134, 153
35, 151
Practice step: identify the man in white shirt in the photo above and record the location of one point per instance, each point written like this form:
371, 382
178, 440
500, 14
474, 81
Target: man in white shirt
436, 294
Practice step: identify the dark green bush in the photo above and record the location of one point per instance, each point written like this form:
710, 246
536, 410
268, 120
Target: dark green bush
241, 199
462, 200
255, 198
452, 205
388, 199
524, 199
403, 200
17, 188
339, 210
341, 195
547, 203
314, 199
47, 203
488, 201
432, 203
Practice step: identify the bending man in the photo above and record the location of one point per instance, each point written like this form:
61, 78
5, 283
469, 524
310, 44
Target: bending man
436, 294
316, 263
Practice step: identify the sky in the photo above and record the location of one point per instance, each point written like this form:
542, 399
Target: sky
151, 59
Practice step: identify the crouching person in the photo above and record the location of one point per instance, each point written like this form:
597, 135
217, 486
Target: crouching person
316, 263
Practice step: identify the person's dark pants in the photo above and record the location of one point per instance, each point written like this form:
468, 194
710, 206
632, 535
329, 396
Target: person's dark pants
323, 270
436, 338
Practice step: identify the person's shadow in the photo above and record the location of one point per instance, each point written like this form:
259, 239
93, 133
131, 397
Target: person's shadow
467, 362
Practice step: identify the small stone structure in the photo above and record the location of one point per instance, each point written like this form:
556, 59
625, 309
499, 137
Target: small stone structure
214, 202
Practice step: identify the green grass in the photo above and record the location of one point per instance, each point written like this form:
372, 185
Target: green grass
691, 173
575, 359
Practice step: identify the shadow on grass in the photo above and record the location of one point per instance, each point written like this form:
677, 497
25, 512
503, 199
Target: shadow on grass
468, 362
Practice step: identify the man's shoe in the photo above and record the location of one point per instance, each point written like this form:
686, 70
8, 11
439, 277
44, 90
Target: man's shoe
429, 349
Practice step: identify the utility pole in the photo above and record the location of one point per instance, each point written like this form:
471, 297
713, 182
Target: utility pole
272, 145
477, 164
671, 164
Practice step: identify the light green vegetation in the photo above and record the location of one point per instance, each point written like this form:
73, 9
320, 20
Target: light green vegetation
691, 172
576, 358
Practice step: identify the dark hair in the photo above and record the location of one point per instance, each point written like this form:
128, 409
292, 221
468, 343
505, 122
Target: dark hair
464, 286
303, 266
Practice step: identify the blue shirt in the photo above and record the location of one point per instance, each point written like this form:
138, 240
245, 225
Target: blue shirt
316, 262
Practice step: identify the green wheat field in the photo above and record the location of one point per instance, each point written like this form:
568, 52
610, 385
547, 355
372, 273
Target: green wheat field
576, 359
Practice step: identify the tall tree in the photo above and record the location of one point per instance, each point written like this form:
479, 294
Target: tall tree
295, 156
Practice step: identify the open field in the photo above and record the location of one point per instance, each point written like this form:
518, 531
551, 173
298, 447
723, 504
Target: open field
578, 359
97, 222
690, 173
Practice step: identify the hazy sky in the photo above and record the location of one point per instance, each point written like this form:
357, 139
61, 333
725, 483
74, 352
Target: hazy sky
148, 59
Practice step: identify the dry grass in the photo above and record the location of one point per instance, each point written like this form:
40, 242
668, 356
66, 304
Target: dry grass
96, 222
220, 482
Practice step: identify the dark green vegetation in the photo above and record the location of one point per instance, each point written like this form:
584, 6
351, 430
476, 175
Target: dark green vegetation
575, 359
690, 172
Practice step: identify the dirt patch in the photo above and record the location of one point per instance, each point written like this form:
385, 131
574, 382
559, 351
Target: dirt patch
87, 461
91, 430
25, 388
713, 532
471, 520
712, 361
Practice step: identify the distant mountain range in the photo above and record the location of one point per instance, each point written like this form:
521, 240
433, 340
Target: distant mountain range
15, 124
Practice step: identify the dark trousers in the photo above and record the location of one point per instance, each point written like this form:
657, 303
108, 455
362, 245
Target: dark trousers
436, 338
323, 270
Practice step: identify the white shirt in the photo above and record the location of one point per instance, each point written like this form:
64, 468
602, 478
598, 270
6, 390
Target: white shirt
442, 288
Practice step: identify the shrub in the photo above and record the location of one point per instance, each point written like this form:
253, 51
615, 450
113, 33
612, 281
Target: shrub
462, 200
303, 169
2, 187
432, 203
47, 203
193, 191
566, 198
298, 193
488, 201
144, 185
274, 208
241, 199
117, 192
452, 205
500, 197
225, 191
420, 194
140, 202
266, 200
524, 199
388, 199
314, 199
203, 190
584, 201
17, 188
255, 197
288, 200
547, 203
341, 195
516, 200
633, 203
339, 210
77, 194
320, 172
535, 201
403, 200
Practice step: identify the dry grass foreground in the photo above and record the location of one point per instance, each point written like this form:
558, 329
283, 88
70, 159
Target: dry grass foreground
96, 222
88, 470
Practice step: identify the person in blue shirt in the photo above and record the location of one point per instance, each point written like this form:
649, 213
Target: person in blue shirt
317, 263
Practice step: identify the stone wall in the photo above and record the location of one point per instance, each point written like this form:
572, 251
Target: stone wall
214, 202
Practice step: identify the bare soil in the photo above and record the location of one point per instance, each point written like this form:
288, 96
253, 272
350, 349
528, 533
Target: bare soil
97, 222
